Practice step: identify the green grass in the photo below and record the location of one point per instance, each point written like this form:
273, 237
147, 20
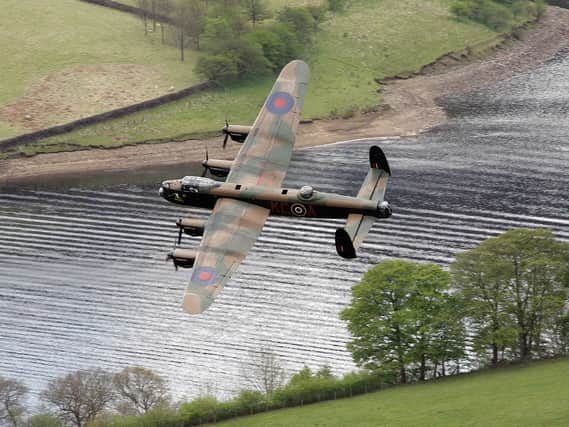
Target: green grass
532, 395
370, 40
273, 4
40, 37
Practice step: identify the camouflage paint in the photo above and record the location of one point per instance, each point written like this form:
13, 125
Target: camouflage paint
234, 225
252, 191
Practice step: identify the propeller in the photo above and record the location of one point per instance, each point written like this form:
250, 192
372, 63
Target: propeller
170, 255
226, 132
205, 168
180, 231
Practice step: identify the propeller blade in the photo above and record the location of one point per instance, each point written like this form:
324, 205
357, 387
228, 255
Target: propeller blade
226, 132
169, 257
204, 163
180, 234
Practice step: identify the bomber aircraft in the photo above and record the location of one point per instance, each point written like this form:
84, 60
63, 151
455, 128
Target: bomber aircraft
252, 191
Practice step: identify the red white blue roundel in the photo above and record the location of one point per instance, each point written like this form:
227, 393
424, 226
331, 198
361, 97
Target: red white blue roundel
204, 276
280, 103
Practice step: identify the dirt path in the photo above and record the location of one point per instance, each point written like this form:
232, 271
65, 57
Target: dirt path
412, 108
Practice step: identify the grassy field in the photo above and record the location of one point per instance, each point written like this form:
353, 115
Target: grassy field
533, 395
43, 44
370, 40
274, 4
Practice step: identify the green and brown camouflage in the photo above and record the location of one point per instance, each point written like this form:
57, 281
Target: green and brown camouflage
306, 202
252, 192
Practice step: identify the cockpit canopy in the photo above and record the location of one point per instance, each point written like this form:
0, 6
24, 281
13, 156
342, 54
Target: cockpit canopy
198, 184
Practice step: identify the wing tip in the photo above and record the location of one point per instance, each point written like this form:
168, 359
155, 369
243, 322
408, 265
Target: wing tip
195, 304
300, 69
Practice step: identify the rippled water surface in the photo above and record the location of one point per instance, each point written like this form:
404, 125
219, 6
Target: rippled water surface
83, 280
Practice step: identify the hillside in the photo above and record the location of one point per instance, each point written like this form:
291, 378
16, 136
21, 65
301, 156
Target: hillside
531, 395
68, 59
369, 41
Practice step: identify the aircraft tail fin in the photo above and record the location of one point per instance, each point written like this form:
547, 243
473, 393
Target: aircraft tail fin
349, 238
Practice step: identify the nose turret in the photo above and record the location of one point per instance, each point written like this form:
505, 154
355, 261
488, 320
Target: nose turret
169, 189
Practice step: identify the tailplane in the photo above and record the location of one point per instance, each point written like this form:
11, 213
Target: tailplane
349, 238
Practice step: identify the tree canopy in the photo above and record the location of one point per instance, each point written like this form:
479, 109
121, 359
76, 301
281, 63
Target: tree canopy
399, 311
516, 287
80, 396
12, 395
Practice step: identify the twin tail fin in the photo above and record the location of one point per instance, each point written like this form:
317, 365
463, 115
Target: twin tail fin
349, 238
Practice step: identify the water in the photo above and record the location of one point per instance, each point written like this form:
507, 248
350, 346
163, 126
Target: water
83, 281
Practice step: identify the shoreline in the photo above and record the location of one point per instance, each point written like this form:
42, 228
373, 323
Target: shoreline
408, 107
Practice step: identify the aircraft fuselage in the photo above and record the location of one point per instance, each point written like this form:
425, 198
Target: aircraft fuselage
306, 202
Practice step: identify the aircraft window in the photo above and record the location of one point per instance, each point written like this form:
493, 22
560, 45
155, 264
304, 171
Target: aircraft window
238, 187
195, 184
284, 192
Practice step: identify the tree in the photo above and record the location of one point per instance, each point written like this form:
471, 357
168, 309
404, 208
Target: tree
144, 6
80, 396
561, 334
217, 32
265, 373
301, 21
278, 43
449, 335
12, 394
141, 390
164, 8
325, 372
336, 5
190, 17
513, 285
256, 10
395, 318
305, 374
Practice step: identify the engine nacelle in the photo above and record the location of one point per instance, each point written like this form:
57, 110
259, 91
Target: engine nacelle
237, 133
191, 226
384, 210
183, 258
216, 167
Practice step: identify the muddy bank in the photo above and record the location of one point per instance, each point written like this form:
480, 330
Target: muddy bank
410, 106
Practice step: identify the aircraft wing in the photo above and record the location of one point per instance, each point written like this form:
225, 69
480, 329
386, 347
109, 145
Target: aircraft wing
265, 155
234, 225
230, 232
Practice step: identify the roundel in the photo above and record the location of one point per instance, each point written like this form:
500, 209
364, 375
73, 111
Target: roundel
280, 103
297, 209
204, 276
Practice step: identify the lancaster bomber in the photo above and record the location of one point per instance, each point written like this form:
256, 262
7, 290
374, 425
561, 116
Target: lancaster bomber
252, 191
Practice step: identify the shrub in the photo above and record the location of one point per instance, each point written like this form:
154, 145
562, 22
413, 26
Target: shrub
498, 16
44, 420
200, 410
300, 20
278, 43
217, 68
250, 402
336, 5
